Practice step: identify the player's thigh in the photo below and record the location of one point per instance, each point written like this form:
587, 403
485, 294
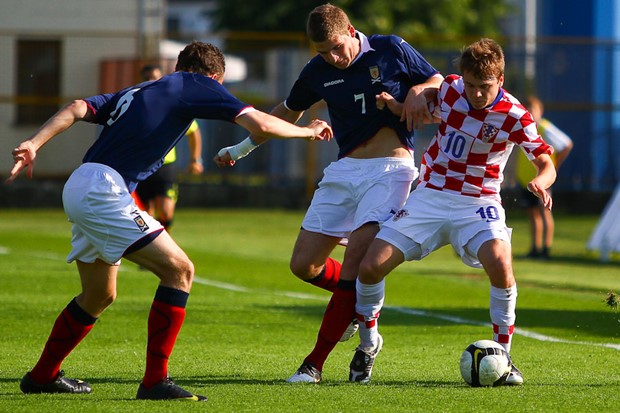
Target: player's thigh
474, 222
165, 259
358, 244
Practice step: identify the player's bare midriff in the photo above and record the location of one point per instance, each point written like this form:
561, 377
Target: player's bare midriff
384, 144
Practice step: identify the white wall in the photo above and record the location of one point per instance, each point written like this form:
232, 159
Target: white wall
66, 15
90, 31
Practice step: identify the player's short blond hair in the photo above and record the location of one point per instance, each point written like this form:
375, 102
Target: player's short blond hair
325, 22
484, 59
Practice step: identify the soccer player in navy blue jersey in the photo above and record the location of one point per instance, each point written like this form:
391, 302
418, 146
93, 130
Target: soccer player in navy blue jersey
159, 192
141, 124
373, 174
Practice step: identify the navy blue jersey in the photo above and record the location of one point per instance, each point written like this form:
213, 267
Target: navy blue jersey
386, 63
142, 123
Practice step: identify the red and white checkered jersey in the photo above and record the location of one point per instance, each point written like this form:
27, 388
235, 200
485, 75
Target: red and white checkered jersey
468, 154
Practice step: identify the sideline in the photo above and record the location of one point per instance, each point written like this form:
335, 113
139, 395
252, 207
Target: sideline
411, 311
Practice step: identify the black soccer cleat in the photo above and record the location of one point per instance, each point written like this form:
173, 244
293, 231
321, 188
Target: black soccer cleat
60, 385
363, 361
167, 390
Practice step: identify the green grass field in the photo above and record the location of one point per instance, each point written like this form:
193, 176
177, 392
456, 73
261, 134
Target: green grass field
250, 323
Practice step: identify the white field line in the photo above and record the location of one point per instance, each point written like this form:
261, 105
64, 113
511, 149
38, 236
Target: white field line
36, 254
411, 311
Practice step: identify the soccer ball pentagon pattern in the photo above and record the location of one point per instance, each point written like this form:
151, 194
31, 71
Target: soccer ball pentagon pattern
485, 363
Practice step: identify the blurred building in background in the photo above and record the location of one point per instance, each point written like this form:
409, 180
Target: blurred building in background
52, 53
565, 52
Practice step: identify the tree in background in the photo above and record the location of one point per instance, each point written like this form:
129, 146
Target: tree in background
446, 21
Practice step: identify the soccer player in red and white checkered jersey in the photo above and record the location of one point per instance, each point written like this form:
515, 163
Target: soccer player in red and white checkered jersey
457, 199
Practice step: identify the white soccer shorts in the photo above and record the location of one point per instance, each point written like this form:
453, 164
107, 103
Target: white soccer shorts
106, 220
354, 192
431, 219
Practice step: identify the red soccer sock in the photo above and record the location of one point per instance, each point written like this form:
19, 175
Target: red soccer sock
329, 276
338, 315
165, 320
71, 326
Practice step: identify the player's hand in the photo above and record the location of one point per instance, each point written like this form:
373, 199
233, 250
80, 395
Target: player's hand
321, 130
222, 159
416, 111
23, 157
541, 193
195, 168
385, 99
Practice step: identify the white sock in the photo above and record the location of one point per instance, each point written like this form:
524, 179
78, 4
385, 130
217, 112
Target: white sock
503, 316
369, 303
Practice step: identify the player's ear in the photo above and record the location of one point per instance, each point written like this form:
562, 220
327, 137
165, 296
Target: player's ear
217, 77
351, 30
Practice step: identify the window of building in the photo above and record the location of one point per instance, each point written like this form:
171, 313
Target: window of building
38, 80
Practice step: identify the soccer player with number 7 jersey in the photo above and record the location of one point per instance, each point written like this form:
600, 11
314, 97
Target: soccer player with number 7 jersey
457, 200
372, 177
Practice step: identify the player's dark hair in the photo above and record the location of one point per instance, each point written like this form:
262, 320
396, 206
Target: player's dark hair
484, 59
325, 22
203, 58
147, 70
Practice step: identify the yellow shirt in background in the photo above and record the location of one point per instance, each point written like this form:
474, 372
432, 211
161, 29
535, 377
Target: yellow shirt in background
172, 155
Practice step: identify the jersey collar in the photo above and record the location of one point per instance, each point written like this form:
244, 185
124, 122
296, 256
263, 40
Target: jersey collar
364, 45
500, 95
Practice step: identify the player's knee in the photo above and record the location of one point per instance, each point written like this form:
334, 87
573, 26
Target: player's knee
108, 299
500, 272
186, 273
302, 270
95, 302
180, 274
370, 272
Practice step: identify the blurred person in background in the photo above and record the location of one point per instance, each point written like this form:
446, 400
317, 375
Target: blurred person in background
542, 224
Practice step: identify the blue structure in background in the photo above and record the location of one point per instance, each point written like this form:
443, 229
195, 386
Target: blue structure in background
578, 78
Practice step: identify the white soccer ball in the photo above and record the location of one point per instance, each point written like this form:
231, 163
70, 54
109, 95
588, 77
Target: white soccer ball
485, 363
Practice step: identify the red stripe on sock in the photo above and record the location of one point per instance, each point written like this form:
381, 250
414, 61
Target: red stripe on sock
338, 315
164, 324
66, 334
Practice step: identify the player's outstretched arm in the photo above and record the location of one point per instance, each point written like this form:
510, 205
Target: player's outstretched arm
25, 153
265, 126
194, 140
